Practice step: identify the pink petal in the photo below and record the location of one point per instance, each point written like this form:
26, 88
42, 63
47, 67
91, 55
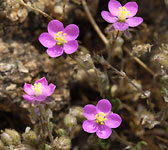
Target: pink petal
55, 26
103, 132
104, 106
108, 17
72, 32
47, 40
134, 21
43, 81
90, 111
41, 98
121, 26
113, 120
113, 7
70, 47
29, 98
55, 51
90, 126
51, 89
132, 7
28, 89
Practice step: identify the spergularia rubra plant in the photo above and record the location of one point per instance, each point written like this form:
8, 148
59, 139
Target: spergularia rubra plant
39, 91
100, 119
122, 17
60, 39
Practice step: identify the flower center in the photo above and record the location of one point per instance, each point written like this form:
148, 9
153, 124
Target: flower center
123, 13
100, 118
37, 88
60, 38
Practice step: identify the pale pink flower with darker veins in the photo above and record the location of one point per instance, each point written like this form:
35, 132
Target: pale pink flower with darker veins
122, 17
59, 39
100, 119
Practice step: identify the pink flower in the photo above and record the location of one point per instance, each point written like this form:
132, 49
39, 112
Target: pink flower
39, 91
100, 119
122, 17
59, 40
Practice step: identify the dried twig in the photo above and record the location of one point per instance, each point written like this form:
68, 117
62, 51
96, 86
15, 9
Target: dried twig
92, 21
139, 62
35, 9
162, 139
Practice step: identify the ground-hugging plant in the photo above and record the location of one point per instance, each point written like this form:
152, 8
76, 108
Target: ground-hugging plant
100, 119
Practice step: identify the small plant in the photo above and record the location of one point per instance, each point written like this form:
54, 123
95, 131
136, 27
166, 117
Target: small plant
107, 81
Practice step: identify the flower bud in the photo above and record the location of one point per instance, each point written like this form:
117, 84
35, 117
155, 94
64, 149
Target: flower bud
85, 60
139, 50
70, 120
116, 46
2, 147
1, 143
61, 132
162, 59
63, 143
77, 112
10, 137
30, 137
162, 56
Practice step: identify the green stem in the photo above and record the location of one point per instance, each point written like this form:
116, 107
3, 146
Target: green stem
50, 132
43, 134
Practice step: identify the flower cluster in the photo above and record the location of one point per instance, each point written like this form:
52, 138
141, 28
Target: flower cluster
100, 119
60, 39
39, 91
122, 17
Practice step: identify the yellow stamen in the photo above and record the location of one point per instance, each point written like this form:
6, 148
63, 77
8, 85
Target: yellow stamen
37, 88
60, 38
100, 118
123, 13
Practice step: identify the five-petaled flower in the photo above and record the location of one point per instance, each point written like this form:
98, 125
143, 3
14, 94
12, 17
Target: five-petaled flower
100, 119
60, 39
39, 91
122, 17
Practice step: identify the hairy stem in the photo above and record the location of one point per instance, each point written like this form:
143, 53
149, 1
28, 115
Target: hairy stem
43, 135
123, 75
